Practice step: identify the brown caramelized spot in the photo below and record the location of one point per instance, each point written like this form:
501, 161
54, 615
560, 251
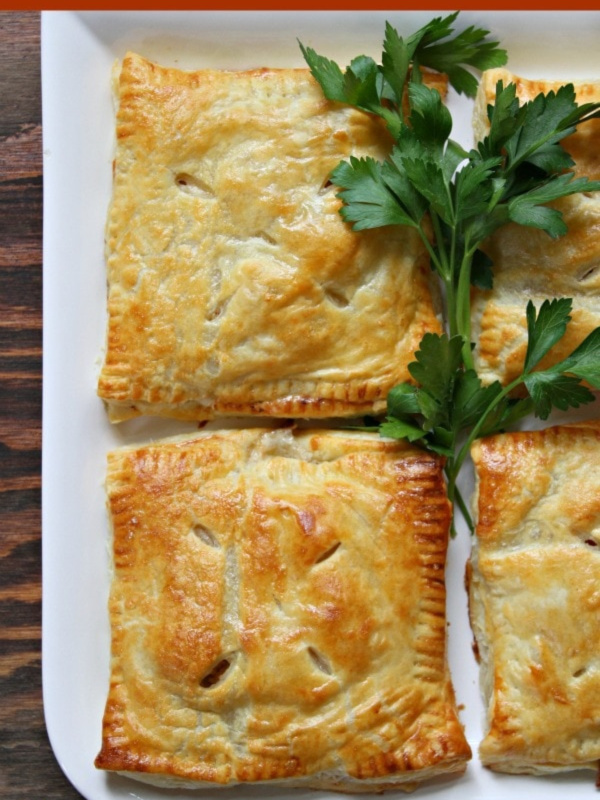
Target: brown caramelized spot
579, 672
214, 313
216, 674
320, 661
206, 536
591, 542
328, 553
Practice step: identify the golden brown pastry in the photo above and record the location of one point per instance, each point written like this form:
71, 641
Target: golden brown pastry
278, 613
234, 285
528, 264
535, 598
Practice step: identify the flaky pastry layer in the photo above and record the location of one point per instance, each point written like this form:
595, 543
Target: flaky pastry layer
278, 613
235, 287
528, 264
535, 597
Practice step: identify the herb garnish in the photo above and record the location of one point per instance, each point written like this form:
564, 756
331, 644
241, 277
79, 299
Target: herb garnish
430, 183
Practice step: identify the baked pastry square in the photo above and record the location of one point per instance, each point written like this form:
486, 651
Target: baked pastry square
535, 598
278, 613
235, 287
528, 264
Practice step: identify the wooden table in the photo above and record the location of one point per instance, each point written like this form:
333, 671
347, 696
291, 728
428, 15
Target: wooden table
28, 768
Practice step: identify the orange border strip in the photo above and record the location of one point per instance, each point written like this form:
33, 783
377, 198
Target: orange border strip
298, 5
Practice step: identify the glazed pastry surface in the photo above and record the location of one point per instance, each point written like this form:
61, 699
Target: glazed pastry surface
278, 613
235, 287
535, 597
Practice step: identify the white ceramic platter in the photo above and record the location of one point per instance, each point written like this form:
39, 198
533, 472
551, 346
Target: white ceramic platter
78, 51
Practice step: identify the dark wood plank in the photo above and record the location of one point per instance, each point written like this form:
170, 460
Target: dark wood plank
28, 768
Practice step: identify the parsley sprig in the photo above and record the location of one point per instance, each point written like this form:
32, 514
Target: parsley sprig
380, 88
455, 199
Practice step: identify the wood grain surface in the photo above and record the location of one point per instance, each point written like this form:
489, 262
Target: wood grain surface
28, 768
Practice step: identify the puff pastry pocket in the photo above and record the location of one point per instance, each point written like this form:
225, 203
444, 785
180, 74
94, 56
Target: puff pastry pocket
535, 598
234, 285
278, 613
528, 264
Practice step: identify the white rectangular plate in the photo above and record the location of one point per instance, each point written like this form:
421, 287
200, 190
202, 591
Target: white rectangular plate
78, 51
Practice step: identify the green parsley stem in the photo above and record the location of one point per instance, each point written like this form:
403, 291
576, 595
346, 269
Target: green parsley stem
454, 467
432, 253
443, 266
463, 308
475, 431
454, 294
460, 501
455, 496
451, 305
